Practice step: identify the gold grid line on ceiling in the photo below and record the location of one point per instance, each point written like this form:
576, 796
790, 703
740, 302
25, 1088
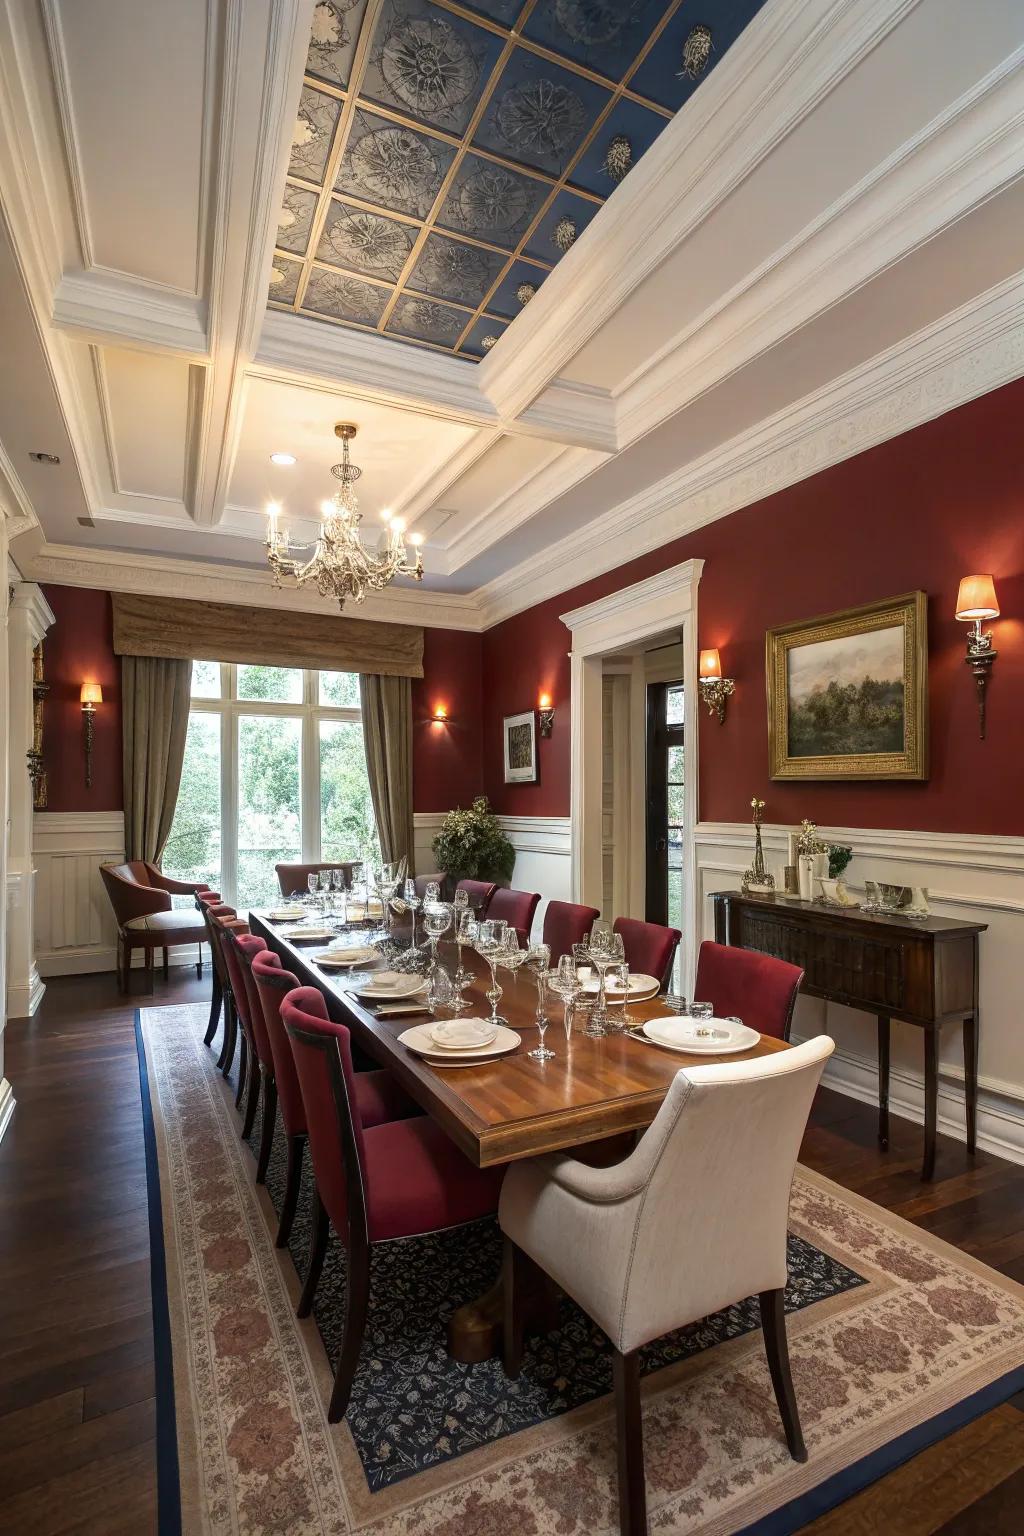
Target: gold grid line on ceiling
328, 193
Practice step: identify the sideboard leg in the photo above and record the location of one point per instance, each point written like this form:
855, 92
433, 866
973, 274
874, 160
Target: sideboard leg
883, 1082
931, 1097
971, 1079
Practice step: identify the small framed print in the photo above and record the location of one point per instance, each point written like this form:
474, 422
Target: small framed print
521, 748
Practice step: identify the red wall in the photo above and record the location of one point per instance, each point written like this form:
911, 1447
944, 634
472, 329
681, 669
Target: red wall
447, 767
79, 649
918, 512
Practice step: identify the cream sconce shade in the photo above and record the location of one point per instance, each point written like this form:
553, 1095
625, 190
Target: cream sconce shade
976, 601
91, 694
714, 688
545, 715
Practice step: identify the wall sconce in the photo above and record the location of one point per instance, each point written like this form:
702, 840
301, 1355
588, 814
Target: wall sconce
545, 715
440, 715
714, 688
976, 601
91, 695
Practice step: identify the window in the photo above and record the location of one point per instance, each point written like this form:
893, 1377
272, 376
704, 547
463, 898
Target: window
274, 772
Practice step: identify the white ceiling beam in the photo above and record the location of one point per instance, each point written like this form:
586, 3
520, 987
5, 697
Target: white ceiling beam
117, 310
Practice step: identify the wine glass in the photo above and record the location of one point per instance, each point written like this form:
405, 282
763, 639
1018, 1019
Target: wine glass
437, 918
565, 982
340, 889
465, 928
311, 884
620, 975
489, 943
605, 949
410, 896
539, 961
512, 956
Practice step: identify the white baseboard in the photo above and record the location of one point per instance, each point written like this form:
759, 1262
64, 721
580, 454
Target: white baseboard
22, 1002
88, 961
6, 1105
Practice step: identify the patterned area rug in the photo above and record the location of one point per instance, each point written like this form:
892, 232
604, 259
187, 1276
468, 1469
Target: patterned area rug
896, 1338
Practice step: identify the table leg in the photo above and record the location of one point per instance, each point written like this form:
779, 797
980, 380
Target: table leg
883, 1082
971, 1079
475, 1330
931, 1098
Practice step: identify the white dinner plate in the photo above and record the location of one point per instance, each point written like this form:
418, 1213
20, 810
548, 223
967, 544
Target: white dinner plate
640, 985
420, 1040
451, 1035
307, 935
286, 914
411, 986
680, 1034
355, 955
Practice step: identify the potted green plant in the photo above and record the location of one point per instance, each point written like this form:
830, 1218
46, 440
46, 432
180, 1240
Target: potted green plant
472, 846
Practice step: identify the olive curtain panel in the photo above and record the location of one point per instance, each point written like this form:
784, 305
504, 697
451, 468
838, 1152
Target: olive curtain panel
386, 704
155, 696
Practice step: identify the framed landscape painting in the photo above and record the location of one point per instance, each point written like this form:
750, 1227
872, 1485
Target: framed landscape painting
521, 748
848, 693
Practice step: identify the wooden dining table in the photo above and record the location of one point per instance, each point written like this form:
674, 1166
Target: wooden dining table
514, 1106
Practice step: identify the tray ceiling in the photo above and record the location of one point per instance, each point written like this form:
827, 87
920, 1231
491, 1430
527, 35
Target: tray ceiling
445, 156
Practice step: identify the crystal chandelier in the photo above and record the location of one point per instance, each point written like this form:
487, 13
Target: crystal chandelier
341, 565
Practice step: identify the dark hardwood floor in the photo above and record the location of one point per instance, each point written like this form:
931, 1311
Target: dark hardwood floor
76, 1358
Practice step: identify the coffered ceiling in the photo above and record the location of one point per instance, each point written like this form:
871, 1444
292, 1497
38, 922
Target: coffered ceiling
815, 246
446, 156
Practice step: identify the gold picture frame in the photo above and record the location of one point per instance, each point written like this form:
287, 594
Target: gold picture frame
850, 707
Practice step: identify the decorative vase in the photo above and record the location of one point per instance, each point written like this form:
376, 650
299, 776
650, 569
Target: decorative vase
820, 871
805, 869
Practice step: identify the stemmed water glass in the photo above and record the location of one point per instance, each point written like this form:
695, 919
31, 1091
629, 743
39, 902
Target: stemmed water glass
565, 982
437, 919
620, 974
340, 889
311, 885
489, 944
412, 900
605, 949
539, 961
465, 926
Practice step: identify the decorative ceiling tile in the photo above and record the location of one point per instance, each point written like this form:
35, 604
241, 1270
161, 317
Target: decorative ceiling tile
605, 35
663, 77
314, 129
505, 11
332, 39
450, 269
296, 217
429, 64
539, 113
345, 298
630, 130
485, 335
391, 165
491, 202
561, 226
426, 320
284, 280
365, 242
512, 294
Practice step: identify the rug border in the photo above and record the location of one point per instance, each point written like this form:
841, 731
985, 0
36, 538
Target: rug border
168, 1469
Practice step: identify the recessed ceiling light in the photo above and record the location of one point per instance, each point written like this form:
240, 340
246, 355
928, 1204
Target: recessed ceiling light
44, 458
282, 458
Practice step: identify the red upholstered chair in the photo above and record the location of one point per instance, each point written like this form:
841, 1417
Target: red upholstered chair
230, 930
207, 903
480, 893
745, 985
220, 917
373, 1183
517, 908
379, 1096
295, 877
649, 947
141, 900
566, 924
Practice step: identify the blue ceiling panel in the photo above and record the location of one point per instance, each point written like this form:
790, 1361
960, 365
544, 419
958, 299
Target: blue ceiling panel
426, 320
296, 219
507, 298
567, 218
345, 298
333, 38
505, 11
429, 64
629, 121
604, 35
365, 242
450, 269
539, 113
284, 280
491, 202
487, 332
662, 77
392, 166
313, 134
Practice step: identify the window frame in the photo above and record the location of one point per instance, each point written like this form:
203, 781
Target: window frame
309, 712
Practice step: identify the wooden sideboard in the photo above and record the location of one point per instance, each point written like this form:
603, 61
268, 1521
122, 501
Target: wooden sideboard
923, 972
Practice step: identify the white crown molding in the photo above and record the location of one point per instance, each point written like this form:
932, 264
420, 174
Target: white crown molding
17, 509
474, 534
28, 601
112, 571
975, 349
791, 55
985, 852
119, 310
967, 154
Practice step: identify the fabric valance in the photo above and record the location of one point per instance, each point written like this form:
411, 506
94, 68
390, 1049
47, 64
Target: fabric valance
269, 637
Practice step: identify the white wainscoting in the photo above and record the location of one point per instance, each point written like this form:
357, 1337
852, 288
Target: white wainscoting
75, 929
542, 854
977, 878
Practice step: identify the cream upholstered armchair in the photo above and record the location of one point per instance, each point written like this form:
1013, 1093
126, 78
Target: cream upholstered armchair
693, 1221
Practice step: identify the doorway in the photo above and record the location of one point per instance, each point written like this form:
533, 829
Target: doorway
666, 811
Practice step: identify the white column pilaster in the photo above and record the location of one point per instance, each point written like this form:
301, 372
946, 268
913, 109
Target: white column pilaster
6, 1092
29, 617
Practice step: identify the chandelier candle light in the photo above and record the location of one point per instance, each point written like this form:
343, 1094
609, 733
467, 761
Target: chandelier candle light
341, 565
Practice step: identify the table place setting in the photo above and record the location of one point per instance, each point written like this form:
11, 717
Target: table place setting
700, 1036
392, 992
460, 1042
343, 957
307, 935
292, 913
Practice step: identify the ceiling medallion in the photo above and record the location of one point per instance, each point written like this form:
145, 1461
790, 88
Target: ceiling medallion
488, 342
618, 157
696, 52
340, 565
525, 292
564, 234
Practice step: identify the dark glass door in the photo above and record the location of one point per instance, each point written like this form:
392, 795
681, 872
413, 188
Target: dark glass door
665, 804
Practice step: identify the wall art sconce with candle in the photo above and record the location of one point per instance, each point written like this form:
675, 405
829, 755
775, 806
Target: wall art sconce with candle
91, 695
714, 688
440, 715
975, 602
545, 715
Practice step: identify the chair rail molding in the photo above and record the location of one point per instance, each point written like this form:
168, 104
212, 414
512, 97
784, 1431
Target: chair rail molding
665, 601
979, 876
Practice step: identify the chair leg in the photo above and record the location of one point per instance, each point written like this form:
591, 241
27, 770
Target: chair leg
293, 1181
199, 961
773, 1325
227, 1049
167, 963
267, 1130
150, 983
357, 1301
243, 1062
253, 1094
120, 968
630, 1430
216, 1004
317, 1250
512, 1309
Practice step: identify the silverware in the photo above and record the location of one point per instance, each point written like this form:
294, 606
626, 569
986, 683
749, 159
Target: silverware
387, 1013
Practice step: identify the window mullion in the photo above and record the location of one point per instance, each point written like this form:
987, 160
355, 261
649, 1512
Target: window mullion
229, 804
309, 774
